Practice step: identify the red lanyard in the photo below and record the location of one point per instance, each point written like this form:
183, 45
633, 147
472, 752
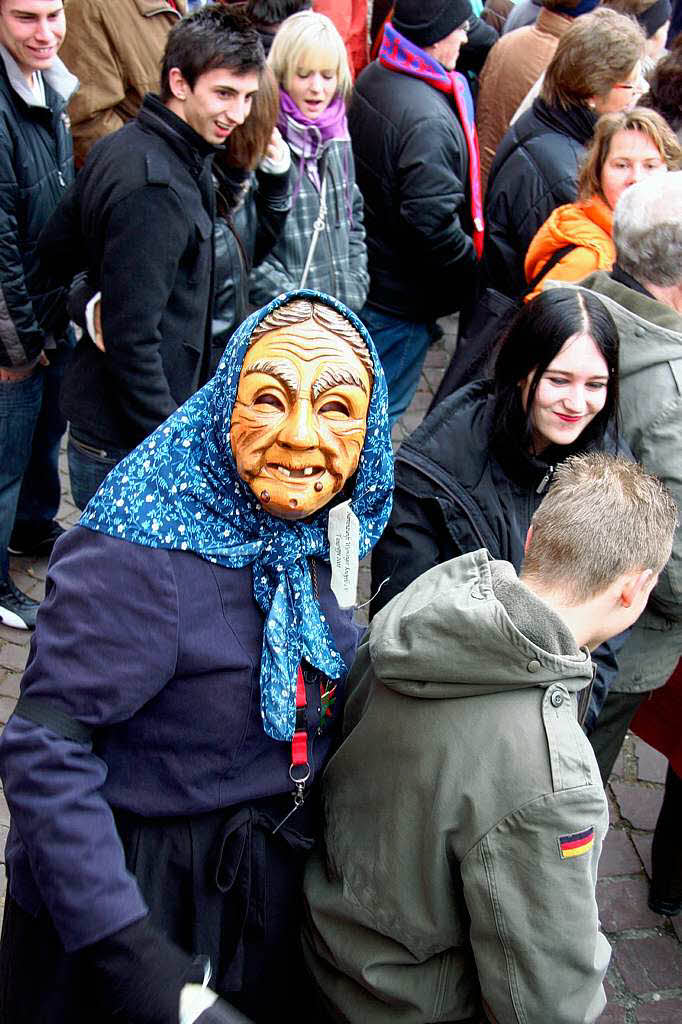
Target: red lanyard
299, 771
299, 743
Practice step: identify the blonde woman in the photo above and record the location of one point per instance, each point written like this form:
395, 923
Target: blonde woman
626, 148
322, 245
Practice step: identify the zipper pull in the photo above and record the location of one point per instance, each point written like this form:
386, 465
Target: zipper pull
546, 480
60, 178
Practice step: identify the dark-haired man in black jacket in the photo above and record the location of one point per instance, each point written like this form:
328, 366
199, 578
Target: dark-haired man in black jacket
141, 215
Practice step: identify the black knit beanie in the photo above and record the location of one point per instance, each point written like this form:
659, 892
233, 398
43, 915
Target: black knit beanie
425, 22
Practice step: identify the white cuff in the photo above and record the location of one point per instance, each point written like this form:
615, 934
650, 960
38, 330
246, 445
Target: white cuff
90, 314
194, 1000
277, 166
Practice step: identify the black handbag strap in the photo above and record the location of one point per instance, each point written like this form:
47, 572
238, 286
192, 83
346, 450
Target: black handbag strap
555, 258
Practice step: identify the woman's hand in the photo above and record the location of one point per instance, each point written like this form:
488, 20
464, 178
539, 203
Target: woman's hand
99, 337
277, 147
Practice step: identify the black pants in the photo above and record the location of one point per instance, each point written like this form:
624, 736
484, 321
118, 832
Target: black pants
666, 852
219, 885
612, 725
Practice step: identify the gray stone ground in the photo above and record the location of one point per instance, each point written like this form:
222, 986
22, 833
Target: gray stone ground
644, 983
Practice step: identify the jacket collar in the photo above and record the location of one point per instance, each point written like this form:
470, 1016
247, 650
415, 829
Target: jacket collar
577, 122
552, 23
188, 144
148, 8
57, 77
622, 276
599, 212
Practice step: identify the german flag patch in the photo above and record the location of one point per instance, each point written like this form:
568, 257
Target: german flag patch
576, 843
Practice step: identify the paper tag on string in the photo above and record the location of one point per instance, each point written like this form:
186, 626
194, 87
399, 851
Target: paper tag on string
344, 544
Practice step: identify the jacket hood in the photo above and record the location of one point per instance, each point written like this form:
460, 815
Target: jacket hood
653, 330
586, 224
504, 636
58, 77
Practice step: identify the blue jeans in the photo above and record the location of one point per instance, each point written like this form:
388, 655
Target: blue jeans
88, 467
402, 347
31, 428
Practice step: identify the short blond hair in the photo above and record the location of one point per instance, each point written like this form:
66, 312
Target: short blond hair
648, 122
302, 36
603, 516
597, 52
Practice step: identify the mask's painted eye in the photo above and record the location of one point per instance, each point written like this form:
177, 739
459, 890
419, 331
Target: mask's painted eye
272, 400
334, 406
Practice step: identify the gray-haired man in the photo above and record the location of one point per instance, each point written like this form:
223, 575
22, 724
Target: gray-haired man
644, 295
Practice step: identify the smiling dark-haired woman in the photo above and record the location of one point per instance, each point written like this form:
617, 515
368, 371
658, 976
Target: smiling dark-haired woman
472, 475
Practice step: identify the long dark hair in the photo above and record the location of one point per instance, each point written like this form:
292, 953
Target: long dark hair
534, 338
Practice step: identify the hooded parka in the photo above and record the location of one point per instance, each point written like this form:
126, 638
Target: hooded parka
463, 782
650, 364
116, 48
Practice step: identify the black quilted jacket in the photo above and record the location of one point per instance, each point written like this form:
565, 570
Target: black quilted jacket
36, 165
412, 167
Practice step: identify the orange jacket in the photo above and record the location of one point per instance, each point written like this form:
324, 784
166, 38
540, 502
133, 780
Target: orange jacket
587, 225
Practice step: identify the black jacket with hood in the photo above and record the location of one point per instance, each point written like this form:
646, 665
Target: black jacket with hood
453, 495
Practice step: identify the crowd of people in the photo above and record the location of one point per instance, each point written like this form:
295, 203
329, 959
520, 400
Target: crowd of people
228, 232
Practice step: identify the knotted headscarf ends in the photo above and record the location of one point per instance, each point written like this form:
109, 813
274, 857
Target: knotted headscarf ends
399, 54
180, 490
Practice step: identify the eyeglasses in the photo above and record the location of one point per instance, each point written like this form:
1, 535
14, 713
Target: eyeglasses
638, 86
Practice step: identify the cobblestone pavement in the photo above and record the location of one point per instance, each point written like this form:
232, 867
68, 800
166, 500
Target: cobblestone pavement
644, 983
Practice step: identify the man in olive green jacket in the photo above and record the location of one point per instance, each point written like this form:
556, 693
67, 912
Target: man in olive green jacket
464, 814
115, 48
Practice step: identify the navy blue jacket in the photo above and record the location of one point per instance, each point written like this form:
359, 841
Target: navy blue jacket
159, 652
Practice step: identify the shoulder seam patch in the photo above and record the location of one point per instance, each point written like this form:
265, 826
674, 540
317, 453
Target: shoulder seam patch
158, 169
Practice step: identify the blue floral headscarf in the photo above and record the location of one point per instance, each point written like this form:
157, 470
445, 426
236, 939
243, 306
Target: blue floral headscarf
179, 489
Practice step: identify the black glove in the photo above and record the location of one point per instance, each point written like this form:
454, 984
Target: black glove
80, 293
139, 974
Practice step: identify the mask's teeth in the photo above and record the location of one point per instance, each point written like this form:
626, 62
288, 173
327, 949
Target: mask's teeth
284, 470
308, 471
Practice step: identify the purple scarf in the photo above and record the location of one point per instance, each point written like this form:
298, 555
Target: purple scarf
309, 138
